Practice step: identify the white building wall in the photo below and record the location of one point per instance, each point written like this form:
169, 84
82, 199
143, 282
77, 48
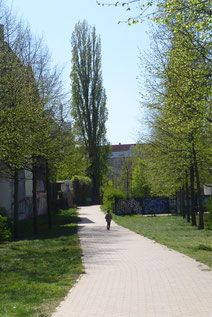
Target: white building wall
208, 189
24, 189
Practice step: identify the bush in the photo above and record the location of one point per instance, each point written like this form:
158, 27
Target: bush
209, 216
81, 188
109, 196
5, 233
4, 213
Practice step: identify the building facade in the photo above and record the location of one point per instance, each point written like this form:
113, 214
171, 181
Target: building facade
119, 160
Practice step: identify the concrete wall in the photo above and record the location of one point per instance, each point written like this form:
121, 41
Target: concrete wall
5, 193
25, 195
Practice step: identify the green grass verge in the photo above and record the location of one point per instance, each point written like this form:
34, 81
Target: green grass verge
36, 273
174, 232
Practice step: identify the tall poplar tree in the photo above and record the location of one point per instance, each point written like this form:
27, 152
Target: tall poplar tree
88, 104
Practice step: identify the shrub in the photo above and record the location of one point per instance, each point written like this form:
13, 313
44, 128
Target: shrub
209, 216
109, 196
81, 187
3, 212
5, 233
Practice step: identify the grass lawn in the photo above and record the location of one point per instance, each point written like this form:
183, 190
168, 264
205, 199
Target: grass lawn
174, 232
36, 273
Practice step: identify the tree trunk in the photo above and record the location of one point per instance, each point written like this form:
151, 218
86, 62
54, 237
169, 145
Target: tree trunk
34, 201
48, 196
199, 200
176, 200
54, 198
193, 216
95, 190
127, 183
187, 200
183, 202
15, 229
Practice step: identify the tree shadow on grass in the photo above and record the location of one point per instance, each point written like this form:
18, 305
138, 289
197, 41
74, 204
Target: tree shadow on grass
64, 223
48, 256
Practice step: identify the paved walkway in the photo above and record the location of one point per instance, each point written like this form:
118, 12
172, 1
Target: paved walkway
128, 275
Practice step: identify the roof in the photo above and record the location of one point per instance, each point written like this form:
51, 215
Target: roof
121, 147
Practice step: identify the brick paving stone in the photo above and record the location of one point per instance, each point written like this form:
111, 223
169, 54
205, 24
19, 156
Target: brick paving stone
128, 275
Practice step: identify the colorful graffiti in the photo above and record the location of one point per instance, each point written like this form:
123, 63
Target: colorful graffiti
142, 206
160, 205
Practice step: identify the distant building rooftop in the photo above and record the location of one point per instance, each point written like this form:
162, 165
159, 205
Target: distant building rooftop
122, 147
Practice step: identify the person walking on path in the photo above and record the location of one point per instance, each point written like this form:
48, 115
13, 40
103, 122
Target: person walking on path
128, 275
108, 218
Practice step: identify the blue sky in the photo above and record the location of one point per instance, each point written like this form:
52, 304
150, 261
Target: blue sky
55, 20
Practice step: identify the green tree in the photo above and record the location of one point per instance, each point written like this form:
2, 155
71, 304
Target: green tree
88, 103
140, 188
189, 89
81, 187
181, 130
30, 96
124, 180
73, 161
16, 108
192, 14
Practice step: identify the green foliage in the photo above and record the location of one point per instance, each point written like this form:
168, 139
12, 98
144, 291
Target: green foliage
27, 98
180, 111
209, 205
140, 189
209, 216
73, 161
131, 179
3, 212
81, 189
124, 180
88, 103
31, 104
109, 195
190, 14
5, 233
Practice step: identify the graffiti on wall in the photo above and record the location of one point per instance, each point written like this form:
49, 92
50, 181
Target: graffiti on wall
156, 205
41, 203
142, 206
160, 205
128, 206
25, 208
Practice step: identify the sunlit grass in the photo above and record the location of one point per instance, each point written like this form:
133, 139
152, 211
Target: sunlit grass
174, 232
36, 273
